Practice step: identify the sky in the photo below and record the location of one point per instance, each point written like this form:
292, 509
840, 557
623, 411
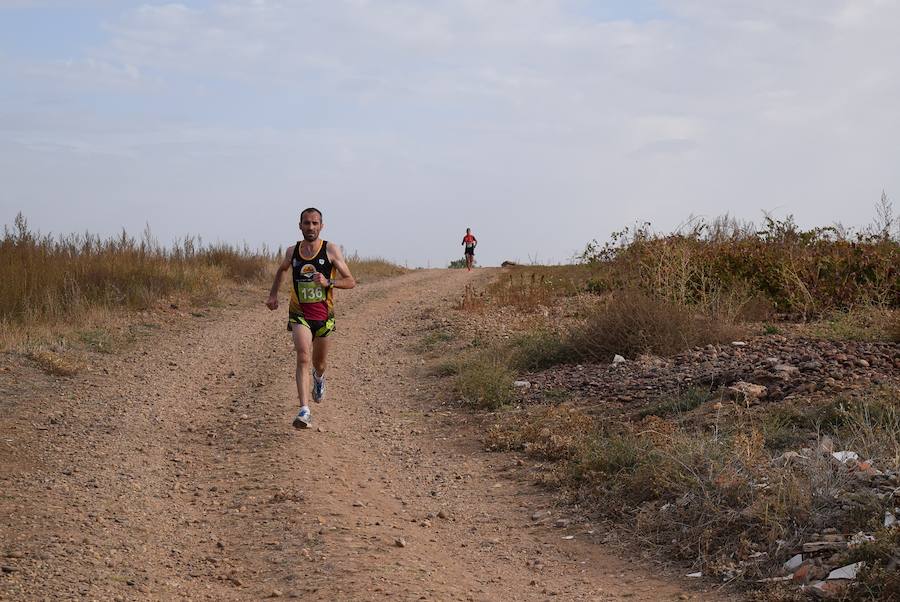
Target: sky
540, 124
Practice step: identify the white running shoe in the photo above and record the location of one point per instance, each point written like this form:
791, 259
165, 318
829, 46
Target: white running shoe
303, 418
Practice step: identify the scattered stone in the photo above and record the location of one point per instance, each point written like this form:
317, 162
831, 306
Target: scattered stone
819, 546
845, 456
794, 562
827, 589
562, 523
442, 514
745, 392
357, 504
787, 458
846, 572
521, 384
696, 575
400, 542
618, 359
802, 573
786, 370
276, 593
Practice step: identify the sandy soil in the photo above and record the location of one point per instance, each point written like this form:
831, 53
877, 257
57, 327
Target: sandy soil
170, 471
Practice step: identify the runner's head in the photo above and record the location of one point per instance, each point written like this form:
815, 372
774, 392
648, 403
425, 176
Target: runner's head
468, 230
311, 223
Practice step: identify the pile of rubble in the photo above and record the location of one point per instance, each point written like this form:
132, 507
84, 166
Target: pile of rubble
820, 564
823, 563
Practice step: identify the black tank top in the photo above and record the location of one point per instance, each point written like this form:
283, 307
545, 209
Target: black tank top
309, 298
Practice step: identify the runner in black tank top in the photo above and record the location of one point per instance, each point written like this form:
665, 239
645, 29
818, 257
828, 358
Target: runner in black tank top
317, 268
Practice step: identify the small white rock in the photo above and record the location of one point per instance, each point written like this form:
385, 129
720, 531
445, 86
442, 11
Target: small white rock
521, 384
845, 456
794, 563
846, 572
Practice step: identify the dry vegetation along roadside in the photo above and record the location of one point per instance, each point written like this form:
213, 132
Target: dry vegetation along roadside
87, 291
728, 396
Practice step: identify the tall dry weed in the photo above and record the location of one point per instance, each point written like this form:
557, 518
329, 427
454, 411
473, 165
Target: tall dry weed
45, 279
633, 322
370, 269
799, 272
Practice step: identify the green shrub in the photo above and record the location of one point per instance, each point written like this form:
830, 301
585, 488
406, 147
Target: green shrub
485, 382
541, 348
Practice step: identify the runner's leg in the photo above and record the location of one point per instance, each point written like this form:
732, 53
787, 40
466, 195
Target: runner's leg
303, 346
320, 354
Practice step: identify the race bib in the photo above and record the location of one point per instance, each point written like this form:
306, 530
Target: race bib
309, 292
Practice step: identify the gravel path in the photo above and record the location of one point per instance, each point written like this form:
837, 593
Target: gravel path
170, 471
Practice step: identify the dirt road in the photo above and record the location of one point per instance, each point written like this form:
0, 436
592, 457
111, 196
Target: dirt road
170, 471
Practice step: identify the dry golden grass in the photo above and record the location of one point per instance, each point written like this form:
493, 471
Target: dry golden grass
371, 269
633, 322
802, 272
53, 363
893, 329
45, 280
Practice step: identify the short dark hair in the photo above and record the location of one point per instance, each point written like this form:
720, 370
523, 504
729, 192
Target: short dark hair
307, 210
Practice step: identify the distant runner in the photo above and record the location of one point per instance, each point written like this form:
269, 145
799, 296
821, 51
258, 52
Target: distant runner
470, 242
311, 313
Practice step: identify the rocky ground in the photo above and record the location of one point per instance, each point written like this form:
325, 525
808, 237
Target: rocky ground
168, 470
785, 366
762, 374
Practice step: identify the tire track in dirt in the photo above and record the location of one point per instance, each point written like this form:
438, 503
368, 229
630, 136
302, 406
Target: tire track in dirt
172, 472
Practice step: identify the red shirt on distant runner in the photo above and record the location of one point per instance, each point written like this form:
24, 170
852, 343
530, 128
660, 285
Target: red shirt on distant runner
469, 241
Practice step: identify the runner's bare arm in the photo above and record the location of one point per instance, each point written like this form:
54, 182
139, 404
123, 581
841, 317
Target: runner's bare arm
336, 257
272, 301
